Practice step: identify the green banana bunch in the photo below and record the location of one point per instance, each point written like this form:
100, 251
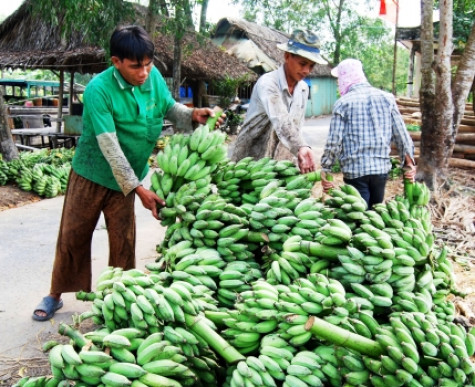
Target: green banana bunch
3, 177
417, 193
255, 371
39, 173
286, 267
182, 155
234, 279
38, 381
244, 181
134, 299
413, 336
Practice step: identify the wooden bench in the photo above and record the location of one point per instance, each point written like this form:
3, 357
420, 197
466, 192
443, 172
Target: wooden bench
60, 139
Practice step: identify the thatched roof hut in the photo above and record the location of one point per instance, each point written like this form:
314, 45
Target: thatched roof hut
27, 41
255, 45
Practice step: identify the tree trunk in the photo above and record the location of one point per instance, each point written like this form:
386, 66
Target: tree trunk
7, 146
335, 26
177, 58
464, 80
199, 89
188, 14
204, 11
473, 96
444, 113
426, 167
151, 17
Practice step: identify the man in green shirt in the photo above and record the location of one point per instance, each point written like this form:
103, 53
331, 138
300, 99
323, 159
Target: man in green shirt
124, 109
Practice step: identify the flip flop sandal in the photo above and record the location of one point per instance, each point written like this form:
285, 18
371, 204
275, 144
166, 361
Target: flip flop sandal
49, 305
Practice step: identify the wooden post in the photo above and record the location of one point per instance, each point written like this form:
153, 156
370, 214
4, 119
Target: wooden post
71, 92
7, 146
60, 105
410, 83
395, 46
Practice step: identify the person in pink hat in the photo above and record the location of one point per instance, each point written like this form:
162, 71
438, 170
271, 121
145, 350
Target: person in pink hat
364, 123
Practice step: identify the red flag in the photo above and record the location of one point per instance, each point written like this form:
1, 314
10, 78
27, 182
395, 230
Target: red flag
382, 8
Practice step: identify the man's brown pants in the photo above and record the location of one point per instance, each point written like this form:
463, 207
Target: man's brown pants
83, 203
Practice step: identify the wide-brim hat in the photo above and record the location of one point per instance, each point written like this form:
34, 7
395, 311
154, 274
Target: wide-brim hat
305, 44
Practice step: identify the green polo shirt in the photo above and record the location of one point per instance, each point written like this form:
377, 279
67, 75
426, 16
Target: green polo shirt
133, 113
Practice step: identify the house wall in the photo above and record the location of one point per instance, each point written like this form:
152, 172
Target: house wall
323, 94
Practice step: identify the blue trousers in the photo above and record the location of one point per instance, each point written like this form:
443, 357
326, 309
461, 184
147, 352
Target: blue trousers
370, 187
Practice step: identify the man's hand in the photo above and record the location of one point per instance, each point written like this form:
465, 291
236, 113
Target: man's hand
201, 115
327, 185
410, 172
306, 160
150, 200
409, 168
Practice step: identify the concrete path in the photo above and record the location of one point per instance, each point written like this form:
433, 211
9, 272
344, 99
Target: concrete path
28, 238
315, 132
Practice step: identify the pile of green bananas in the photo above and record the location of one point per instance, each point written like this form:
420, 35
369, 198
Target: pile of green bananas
134, 299
242, 182
312, 292
417, 347
45, 172
417, 193
125, 356
187, 158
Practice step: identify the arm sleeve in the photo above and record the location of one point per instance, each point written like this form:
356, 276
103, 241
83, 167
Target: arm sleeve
400, 135
287, 126
180, 115
104, 128
333, 146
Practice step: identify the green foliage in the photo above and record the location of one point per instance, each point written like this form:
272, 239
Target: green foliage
233, 118
463, 17
413, 127
396, 170
336, 167
344, 30
373, 43
95, 19
227, 89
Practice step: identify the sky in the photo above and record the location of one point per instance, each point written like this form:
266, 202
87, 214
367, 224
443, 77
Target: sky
409, 10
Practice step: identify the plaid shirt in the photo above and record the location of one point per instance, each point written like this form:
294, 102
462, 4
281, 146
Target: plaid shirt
364, 123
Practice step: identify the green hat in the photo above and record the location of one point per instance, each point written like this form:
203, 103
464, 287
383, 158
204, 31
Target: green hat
304, 43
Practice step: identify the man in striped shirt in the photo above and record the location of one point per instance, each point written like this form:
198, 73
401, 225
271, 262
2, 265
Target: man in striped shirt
364, 123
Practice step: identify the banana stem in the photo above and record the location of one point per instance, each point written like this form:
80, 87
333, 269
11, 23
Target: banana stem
216, 317
211, 122
340, 336
73, 334
199, 326
321, 251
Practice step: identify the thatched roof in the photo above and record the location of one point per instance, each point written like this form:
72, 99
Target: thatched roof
256, 45
27, 41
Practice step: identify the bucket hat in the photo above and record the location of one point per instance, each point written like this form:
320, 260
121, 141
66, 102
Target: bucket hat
304, 43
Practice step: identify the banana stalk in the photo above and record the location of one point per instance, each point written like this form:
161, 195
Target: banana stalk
342, 337
199, 326
217, 317
73, 334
